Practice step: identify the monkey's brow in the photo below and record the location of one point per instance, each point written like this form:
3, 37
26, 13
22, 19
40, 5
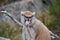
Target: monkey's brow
28, 17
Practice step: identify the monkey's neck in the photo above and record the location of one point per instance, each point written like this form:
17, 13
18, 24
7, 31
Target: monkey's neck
28, 33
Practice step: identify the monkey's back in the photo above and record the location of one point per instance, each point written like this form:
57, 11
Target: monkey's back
42, 32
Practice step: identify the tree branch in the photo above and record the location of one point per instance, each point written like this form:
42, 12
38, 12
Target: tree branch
54, 36
9, 15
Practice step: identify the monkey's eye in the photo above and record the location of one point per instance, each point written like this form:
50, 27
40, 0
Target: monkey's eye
22, 15
28, 17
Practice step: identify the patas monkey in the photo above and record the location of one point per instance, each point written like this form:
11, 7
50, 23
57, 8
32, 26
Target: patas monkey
38, 31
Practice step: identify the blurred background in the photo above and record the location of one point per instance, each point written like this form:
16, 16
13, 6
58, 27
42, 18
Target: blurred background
48, 11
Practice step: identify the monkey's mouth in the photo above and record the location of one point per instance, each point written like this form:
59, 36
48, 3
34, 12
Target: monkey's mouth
28, 23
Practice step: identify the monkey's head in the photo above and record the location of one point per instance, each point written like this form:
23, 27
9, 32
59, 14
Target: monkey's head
27, 17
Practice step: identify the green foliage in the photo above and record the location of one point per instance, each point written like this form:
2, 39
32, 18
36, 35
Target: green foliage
51, 16
12, 32
54, 7
54, 13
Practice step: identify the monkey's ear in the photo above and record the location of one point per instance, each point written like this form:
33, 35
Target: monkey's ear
33, 13
22, 12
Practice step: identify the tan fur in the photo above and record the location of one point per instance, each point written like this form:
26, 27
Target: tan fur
41, 30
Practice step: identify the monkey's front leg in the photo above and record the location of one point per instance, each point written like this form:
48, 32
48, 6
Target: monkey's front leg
25, 35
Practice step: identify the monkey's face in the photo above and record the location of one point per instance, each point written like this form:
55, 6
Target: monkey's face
27, 17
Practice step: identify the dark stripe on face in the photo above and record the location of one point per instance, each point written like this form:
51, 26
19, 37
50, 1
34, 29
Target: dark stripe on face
28, 19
